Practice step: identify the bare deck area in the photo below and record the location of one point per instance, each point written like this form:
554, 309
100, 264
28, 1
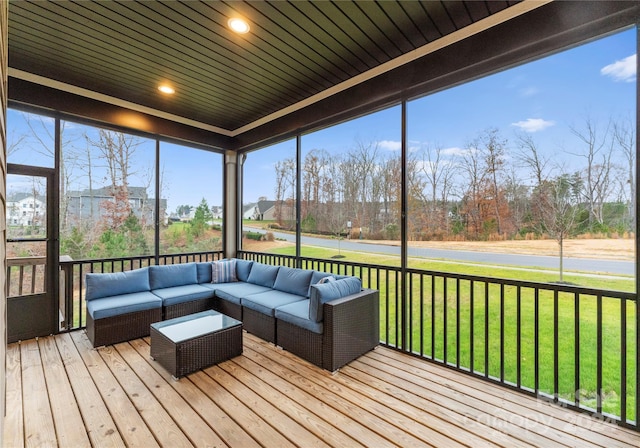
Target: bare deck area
62, 392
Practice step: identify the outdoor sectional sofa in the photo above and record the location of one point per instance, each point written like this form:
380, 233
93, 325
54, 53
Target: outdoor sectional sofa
326, 319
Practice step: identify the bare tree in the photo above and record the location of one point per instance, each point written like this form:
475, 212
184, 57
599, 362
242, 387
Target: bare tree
14, 144
116, 150
471, 166
332, 194
625, 137
516, 194
285, 188
493, 150
362, 162
313, 178
438, 174
530, 157
44, 137
557, 210
391, 187
598, 150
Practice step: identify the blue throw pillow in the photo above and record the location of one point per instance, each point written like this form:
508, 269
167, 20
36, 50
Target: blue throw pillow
327, 279
116, 283
318, 277
263, 274
328, 291
223, 271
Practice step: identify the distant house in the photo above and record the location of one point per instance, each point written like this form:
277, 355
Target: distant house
217, 211
24, 209
264, 211
86, 206
248, 210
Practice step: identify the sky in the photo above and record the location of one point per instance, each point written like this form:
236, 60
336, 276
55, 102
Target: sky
543, 98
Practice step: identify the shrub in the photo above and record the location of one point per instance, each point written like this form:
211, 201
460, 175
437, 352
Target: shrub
257, 236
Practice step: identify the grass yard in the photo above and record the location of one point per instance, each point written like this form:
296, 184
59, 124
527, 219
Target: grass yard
468, 325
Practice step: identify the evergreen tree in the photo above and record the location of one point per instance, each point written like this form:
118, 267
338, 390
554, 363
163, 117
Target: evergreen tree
201, 219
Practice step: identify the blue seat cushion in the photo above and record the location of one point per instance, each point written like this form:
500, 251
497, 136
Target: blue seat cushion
243, 269
166, 276
203, 271
294, 281
267, 302
116, 283
123, 304
235, 291
326, 292
181, 294
297, 313
263, 274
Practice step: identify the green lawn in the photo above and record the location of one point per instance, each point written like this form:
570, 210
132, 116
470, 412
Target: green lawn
468, 345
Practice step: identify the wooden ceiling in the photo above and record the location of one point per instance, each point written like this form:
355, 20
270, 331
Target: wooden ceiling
245, 89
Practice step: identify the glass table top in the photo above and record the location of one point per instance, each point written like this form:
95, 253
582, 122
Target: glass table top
193, 325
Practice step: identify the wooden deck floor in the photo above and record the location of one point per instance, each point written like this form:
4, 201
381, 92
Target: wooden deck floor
61, 392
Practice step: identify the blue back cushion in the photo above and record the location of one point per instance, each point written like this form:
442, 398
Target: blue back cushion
204, 272
263, 274
294, 281
243, 268
326, 292
166, 276
116, 283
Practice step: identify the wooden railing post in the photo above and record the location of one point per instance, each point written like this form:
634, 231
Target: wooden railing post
65, 301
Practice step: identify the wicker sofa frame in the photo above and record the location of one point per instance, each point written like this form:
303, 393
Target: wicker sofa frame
190, 307
351, 328
228, 308
121, 328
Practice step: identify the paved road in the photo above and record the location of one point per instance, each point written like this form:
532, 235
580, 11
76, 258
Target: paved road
545, 262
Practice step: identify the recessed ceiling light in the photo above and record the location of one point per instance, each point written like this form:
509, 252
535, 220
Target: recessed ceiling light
238, 25
167, 89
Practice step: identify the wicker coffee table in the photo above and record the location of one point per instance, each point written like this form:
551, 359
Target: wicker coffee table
185, 344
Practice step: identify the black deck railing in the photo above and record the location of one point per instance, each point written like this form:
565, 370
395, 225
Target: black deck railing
574, 346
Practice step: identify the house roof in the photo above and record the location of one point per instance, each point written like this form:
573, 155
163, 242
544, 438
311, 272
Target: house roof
20, 196
134, 192
303, 64
264, 206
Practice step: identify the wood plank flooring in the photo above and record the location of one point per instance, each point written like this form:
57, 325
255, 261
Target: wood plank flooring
62, 392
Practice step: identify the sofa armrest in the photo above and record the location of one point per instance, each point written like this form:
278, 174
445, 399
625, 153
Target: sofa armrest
351, 328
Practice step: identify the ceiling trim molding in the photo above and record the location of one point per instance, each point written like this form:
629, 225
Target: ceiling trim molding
507, 14
48, 82
475, 28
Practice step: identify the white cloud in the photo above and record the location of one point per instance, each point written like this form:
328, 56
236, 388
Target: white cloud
454, 151
390, 145
623, 70
529, 92
533, 124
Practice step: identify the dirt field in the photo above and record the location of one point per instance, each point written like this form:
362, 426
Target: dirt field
607, 249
